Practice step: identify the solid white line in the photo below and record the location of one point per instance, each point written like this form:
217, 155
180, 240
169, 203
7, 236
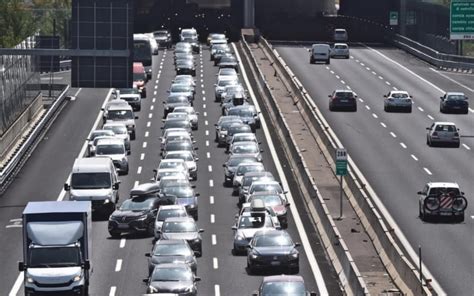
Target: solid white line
211, 199
430, 117
207, 143
14, 226
144, 144
467, 147
215, 264
393, 134
209, 168
78, 91
213, 239
18, 283
148, 124
375, 115
428, 171
122, 243
357, 61
322, 289
118, 265
135, 184
452, 80
139, 170
213, 218
403, 145
147, 134
208, 155
414, 157
211, 183
113, 289
204, 113
421, 109
207, 133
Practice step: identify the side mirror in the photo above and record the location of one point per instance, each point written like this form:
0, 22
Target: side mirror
67, 187
287, 204
297, 245
313, 294
136, 117
21, 266
196, 148
201, 230
419, 193
462, 193
147, 255
87, 265
197, 279
329, 96
224, 165
441, 98
428, 128
102, 109
115, 186
384, 96
145, 281
197, 194
234, 227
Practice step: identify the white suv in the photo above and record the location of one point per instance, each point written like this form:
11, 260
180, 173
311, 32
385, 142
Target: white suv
438, 199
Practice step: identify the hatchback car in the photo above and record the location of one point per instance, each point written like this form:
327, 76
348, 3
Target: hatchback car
182, 90
192, 115
244, 137
397, 100
222, 128
236, 128
185, 196
273, 249
97, 134
185, 66
246, 148
266, 186
342, 100
454, 102
283, 285
172, 278
183, 228
189, 157
443, 133
171, 251
185, 79
177, 123
247, 225
227, 72
179, 145
231, 166
168, 211
248, 113
340, 50
115, 149
228, 62
163, 38
120, 131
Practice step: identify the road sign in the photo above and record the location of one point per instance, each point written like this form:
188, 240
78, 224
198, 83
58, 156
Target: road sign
393, 18
462, 20
341, 162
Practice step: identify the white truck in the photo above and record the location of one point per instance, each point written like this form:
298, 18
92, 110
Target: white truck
56, 247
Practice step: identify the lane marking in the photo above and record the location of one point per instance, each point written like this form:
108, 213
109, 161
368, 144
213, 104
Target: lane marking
337, 76
428, 171
118, 265
375, 115
139, 170
206, 122
394, 88
208, 155
361, 100
368, 69
403, 145
367, 107
343, 82
421, 109
467, 147
215, 263
211, 183
430, 117
380, 77
142, 156
204, 113
213, 239
122, 243
209, 168
148, 124
18, 283
203, 99
387, 83
136, 183
211, 199
152, 107
207, 143
348, 87
113, 289
147, 134
414, 157
153, 100
393, 134
362, 64
207, 133
144, 144
14, 226
332, 72
374, 73
150, 115
204, 106
452, 80
213, 218
156, 86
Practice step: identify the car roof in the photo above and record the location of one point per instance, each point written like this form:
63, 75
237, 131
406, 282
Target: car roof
453, 93
283, 278
258, 174
110, 140
170, 242
245, 135
114, 124
180, 219
399, 92
172, 207
172, 265
444, 123
145, 188
443, 184
266, 182
120, 107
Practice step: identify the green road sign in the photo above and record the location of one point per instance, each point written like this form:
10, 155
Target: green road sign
393, 18
341, 162
462, 20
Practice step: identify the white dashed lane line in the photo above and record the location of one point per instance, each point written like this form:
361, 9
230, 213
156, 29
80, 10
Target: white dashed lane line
122, 243
207, 133
154, 100
428, 171
206, 122
380, 77
337, 76
155, 92
403, 145
147, 134
139, 170
383, 124
394, 88
118, 265
215, 263
213, 239
152, 107
361, 100
207, 143
204, 113
144, 144
393, 134
211, 183
209, 168
208, 154
213, 219
375, 115
421, 109
148, 124
367, 107
113, 289
211, 199
387, 83
430, 117
136, 184
414, 157
374, 73
467, 147
332, 72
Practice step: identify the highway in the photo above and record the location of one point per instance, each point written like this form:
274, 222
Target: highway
391, 150
119, 265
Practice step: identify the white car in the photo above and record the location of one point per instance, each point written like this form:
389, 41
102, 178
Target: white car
223, 72
175, 173
398, 100
340, 35
176, 164
168, 211
96, 134
443, 133
184, 78
221, 85
192, 115
115, 149
340, 50
120, 131
439, 199
271, 186
189, 158
241, 170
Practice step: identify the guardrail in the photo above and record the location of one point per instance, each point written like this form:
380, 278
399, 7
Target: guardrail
22, 153
349, 276
377, 221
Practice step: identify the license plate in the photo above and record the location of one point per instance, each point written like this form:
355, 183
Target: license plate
123, 226
275, 263
344, 101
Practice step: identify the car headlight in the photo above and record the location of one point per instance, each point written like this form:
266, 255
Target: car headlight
142, 217
152, 290
188, 289
30, 279
77, 278
107, 200
130, 126
239, 237
253, 255
294, 254
191, 206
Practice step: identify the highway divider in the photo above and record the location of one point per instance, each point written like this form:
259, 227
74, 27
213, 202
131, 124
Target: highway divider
23, 152
394, 249
350, 278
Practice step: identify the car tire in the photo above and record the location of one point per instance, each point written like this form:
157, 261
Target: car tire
441, 110
331, 108
409, 109
295, 270
354, 109
428, 142
457, 145
151, 229
311, 61
114, 234
466, 111
133, 136
328, 62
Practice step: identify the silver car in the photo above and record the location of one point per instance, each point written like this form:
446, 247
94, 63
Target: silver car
443, 133
246, 148
121, 113
340, 50
190, 159
115, 149
96, 134
168, 211
241, 170
192, 115
221, 85
398, 100
120, 131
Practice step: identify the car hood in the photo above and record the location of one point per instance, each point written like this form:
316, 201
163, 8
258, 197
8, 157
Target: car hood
168, 259
186, 201
184, 93
248, 232
174, 105
273, 250
90, 194
119, 214
125, 121
118, 157
57, 275
180, 235
171, 287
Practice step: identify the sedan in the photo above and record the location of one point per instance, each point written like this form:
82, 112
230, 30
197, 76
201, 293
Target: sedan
237, 128
267, 186
221, 85
189, 157
231, 166
248, 180
276, 202
398, 100
185, 67
183, 228
185, 79
443, 133
175, 135
248, 113
244, 137
172, 278
136, 214
185, 196
227, 72
342, 100
171, 251
165, 212
192, 115
174, 101
182, 90
222, 128
241, 170
120, 131
228, 61
246, 148
217, 50
247, 225
178, 146
283, 285
454, 102
340, 50
272, 249
96, 134
132, 96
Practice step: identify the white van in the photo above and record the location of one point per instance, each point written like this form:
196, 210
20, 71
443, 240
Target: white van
95, 180
320, 53
340, 35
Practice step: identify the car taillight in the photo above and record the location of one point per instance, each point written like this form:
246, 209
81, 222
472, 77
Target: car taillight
390, 99
435, 134
456, 134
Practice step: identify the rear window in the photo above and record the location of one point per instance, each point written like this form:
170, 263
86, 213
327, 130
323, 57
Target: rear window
344, 95
444, 190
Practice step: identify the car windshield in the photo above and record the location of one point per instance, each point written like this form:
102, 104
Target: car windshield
226, 82
233, 162
100, 134
254, 222
180, 88
179, 227
228, 60
245, 138
179, 191
172, 250
249, 168
160, 33
245, 148
249, 180
171, 274
267, 187
178, 146
109, 149
54, 257
444, 190
90, 180
137, 204
170, 164
138, 76
273, 241
283, 288
176, 124
456, 97
445, 128
340, 46
128, 91
246, 113
344, 94
269, 200
399, 95
163, 214
183, 156
173, 99
177, 115
117, 129
239, 129
119, 114
188, 34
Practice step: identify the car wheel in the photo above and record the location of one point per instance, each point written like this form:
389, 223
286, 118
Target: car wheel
457, 145
295, 270
132, 136
354, 109
151, 229
428, 141
409, 109
441, 110
114, 234
466, 111
311, 61
331, 108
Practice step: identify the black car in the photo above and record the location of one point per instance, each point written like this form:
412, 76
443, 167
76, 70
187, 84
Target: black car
248, 113
163, 38
454, 102
177, 123
220, 54
171, 251
232, 164
218, 50
342, 100
185, 67
174, 101
272, 249
283, 285
228, 61
172, 278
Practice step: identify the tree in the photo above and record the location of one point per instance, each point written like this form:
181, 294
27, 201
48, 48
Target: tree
16, 22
